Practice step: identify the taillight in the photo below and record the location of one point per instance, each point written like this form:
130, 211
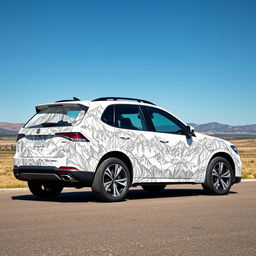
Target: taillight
74, 136
67, 168
19, 136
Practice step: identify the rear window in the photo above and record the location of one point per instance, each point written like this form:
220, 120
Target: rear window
129, 117
57, 116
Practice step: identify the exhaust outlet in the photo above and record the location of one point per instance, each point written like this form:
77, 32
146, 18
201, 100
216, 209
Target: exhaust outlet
67, 178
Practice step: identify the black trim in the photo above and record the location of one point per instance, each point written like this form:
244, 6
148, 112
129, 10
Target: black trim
83, 107
148, 121
113, 115
55, 105
123, 98
237, 180
164, 183
83, 178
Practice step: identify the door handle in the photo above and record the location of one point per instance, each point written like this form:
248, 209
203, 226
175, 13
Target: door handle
164, 141
124, 138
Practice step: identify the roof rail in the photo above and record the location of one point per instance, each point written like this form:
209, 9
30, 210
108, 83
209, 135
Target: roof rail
74, 99
122, 98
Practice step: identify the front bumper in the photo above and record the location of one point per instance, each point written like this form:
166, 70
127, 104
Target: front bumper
237, 180
52, 173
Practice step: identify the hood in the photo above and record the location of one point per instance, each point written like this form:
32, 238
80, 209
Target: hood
200, 135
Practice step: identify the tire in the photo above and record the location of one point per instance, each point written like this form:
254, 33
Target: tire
219, 177
158, 188
111, 181
45, 189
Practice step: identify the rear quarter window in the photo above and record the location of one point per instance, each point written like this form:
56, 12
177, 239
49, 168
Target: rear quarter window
108, 116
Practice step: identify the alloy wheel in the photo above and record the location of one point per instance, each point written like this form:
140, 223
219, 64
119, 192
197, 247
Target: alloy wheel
221, 175
114, 179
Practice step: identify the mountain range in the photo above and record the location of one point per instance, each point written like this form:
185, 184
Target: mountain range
9, 128
213, 128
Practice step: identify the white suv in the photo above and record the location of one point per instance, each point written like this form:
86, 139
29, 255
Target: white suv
112, 143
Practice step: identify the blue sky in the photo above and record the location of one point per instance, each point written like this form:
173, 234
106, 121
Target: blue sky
195, 58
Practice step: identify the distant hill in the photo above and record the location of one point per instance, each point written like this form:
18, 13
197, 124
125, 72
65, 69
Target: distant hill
9, 129
11, 126
217, 128
7, 132
213, 128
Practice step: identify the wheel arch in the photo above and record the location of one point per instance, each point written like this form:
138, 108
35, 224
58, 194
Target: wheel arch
121, 156
227, 157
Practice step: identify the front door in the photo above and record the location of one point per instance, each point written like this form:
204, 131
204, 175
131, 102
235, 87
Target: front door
177, 153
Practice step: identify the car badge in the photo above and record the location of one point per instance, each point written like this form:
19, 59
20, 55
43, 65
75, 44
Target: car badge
37, 131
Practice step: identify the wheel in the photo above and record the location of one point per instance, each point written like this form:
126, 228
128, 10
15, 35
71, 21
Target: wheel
219, 177
112, 180
154, 188
45, 189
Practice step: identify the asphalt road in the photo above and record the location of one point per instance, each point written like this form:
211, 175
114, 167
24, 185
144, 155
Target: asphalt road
181, 221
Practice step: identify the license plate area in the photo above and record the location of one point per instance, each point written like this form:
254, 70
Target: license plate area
39, 141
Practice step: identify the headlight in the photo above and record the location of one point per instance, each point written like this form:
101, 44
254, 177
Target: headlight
235, 148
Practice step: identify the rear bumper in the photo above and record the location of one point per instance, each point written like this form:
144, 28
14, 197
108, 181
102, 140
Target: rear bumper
52, 173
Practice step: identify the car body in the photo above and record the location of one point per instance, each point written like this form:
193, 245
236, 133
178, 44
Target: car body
67, 142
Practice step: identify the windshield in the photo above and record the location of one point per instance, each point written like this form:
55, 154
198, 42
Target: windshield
56, 116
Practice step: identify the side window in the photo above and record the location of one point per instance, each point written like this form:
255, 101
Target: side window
129, 117
107, 116
162, 121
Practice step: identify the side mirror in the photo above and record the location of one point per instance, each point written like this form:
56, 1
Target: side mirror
190, 131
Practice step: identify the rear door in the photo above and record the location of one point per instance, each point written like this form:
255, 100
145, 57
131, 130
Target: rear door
134, 139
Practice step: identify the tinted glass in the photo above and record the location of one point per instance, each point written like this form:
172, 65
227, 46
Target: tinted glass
162, 121
107, 116
57, 116
129, 117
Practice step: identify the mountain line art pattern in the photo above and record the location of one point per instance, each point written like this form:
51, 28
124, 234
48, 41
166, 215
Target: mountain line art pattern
181, 159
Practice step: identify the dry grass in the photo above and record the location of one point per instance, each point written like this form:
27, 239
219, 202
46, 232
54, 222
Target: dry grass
249, 166
247, 148
7, 179
245, 145
7, 140
7, 151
